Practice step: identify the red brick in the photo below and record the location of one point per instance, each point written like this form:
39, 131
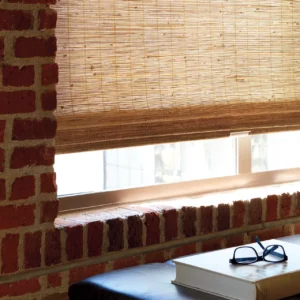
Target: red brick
152, 224
12, 216
49, 100
206, 219
95, 238
54, 280
2, 130
115, 234
23, 188
2, 189
271, 202
49, 211
285, 206
188, 221
19, 288
48, 183
255, 211
30, 129
48, 19
9, 253
35, 46
18, 76
267, 234
2, 47
297, 228
135, 231
184, 250
2, 159
297, 206
32, 249
288, 229
223, 217
17, 102
234, 240
171, 224
238, 218
49, 74
211, 245
74, 243
15, 19
32, 156
155, 256
52, 247
81, 273
126, 262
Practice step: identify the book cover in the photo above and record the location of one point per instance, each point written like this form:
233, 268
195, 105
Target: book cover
212, 272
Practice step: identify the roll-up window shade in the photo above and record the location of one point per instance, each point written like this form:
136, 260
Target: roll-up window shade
134, 72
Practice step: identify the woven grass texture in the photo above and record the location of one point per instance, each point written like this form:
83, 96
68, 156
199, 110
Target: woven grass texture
186, 68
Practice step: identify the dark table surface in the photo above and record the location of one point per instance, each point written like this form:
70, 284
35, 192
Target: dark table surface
145, 282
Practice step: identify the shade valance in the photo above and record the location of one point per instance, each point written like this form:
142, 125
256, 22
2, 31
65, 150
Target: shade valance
140, 72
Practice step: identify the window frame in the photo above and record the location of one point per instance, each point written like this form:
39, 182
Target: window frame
244, 179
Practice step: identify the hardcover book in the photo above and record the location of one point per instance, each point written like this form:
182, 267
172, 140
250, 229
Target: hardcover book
212, 273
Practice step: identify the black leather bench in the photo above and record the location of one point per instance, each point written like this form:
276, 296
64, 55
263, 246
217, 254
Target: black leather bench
145, 282
151, 281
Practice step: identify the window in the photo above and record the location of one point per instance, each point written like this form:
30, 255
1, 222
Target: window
275, 151
133, 167
200, 162
136, 73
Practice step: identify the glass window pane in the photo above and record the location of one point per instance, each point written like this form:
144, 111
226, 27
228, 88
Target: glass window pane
79, 172
275, 151
145, 166
208, 159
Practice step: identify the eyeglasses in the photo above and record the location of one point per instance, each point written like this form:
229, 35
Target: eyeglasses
248, 255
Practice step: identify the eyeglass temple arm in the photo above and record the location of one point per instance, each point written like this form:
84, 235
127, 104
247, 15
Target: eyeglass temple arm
259, 243
270, 250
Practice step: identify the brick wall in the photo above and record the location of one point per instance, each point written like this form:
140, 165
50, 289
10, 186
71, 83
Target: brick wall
40, 258
28, 202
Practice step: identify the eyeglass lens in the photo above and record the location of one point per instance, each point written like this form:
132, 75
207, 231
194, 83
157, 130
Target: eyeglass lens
245, 255
274, 256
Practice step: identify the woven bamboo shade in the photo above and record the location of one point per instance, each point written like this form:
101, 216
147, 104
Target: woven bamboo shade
134, 72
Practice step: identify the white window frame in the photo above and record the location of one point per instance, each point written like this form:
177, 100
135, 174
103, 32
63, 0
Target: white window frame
244, 178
